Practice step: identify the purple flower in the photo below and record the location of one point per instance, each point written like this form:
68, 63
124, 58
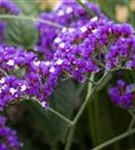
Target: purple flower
121, 53
9, 137
122, 94
9, 6
11, 58
11, 90
74, 51
3, 146
69, 14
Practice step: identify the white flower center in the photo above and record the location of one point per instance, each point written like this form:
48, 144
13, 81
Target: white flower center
84, 29
2, 80
62, 45
10, 62
12, 91
59, 61
57, 40
23, 87
52, 69
69, 10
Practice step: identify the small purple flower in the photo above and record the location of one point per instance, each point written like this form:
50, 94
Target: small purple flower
9, 137
9, 6
122, 94
11, 90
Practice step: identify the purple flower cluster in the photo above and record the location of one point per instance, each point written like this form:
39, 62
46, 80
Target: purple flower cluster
75, 51
11, 90
9, 6
121, 53
13, 61
122, 94
42, 78
79, 51
82, 47
21, 74
82, 50
69, 14
9, 139
12, 58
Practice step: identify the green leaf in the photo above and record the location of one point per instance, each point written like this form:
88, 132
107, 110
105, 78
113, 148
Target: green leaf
51, 127
27, 145
104, 119
107, 80
99, 120
21, 32
28, 7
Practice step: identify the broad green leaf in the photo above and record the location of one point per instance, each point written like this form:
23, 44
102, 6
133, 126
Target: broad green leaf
100, 121
52, 128
27, 145
28, 7
106, 120
21, 33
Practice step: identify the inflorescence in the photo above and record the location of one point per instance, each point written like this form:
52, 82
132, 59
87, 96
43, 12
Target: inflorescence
69, 14
86, 44
122, 94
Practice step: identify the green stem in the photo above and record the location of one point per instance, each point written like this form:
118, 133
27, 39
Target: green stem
132, 120
4, 72
93, 83
91, 89
74, 122
60, 116
115, 139
131, 113
72, 128
84, 105
23, 17
85, 7
70, 137
131, 124
89, 93
103, 77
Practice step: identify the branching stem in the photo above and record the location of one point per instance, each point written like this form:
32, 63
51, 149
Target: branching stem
115, 139
69, 122
23, 17
85, 7
91, 90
